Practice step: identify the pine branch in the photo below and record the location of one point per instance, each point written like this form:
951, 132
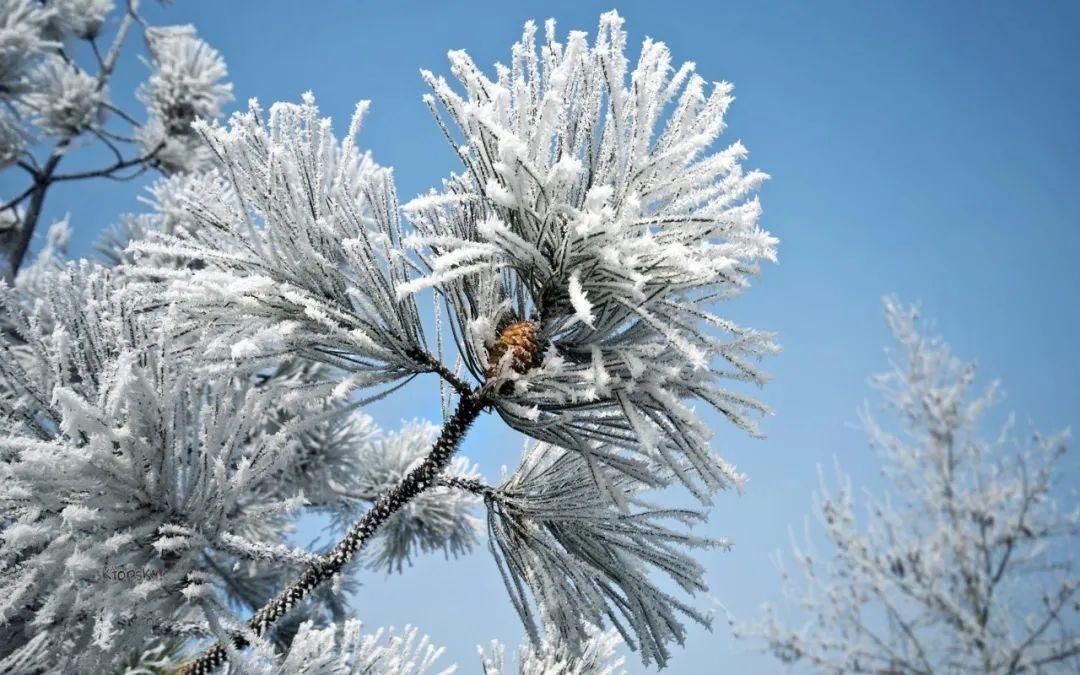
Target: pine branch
15, 201
424, 476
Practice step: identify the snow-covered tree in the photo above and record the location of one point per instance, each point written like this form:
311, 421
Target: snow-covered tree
171, 410
965, 564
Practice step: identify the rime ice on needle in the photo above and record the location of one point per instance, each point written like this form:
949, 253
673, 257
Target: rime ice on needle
187, 83
591, 203
63, 99
117, 464
584, 561
22, 39
345, 650
596, 657
78, 18
188, 78
119, 460
298, 239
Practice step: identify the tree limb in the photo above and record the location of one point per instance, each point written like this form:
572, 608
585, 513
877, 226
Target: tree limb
424, 476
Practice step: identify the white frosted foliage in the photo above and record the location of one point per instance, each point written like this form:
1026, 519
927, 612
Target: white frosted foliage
282, 272
171, 414
346, 650
596, 657
63, 99
964, 565
122, 479
593, 202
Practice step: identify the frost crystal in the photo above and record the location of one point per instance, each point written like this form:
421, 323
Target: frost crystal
129, 490
345, 650
186, 85
22, 39
298, 246
176, 153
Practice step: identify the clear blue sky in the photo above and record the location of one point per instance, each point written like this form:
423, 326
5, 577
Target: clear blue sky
926, 149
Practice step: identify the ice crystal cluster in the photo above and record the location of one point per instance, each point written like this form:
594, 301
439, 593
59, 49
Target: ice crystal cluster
122, 483
23, 40
81, 19
554, 532
965, 565
346, 650
171, 410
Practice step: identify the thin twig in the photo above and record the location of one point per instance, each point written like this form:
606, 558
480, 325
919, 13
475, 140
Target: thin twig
469, 485
128, 118
108, 171
15, 201
109, 144
25, 230
32, 170
97, 53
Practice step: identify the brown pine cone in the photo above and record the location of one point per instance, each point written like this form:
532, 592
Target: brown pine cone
523, 338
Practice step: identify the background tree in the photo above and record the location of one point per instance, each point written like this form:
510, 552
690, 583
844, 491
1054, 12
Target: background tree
55, 103
964, 565
171, 410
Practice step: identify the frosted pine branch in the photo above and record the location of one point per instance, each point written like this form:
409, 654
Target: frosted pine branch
419, 479
436, 520
54, 86
555, 533
591, 204
63, 99
187, 84
78, 18
127, 485
183, 406
346, 650
297, 240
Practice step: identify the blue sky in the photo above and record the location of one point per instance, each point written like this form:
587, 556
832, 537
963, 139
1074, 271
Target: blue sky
930, 150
